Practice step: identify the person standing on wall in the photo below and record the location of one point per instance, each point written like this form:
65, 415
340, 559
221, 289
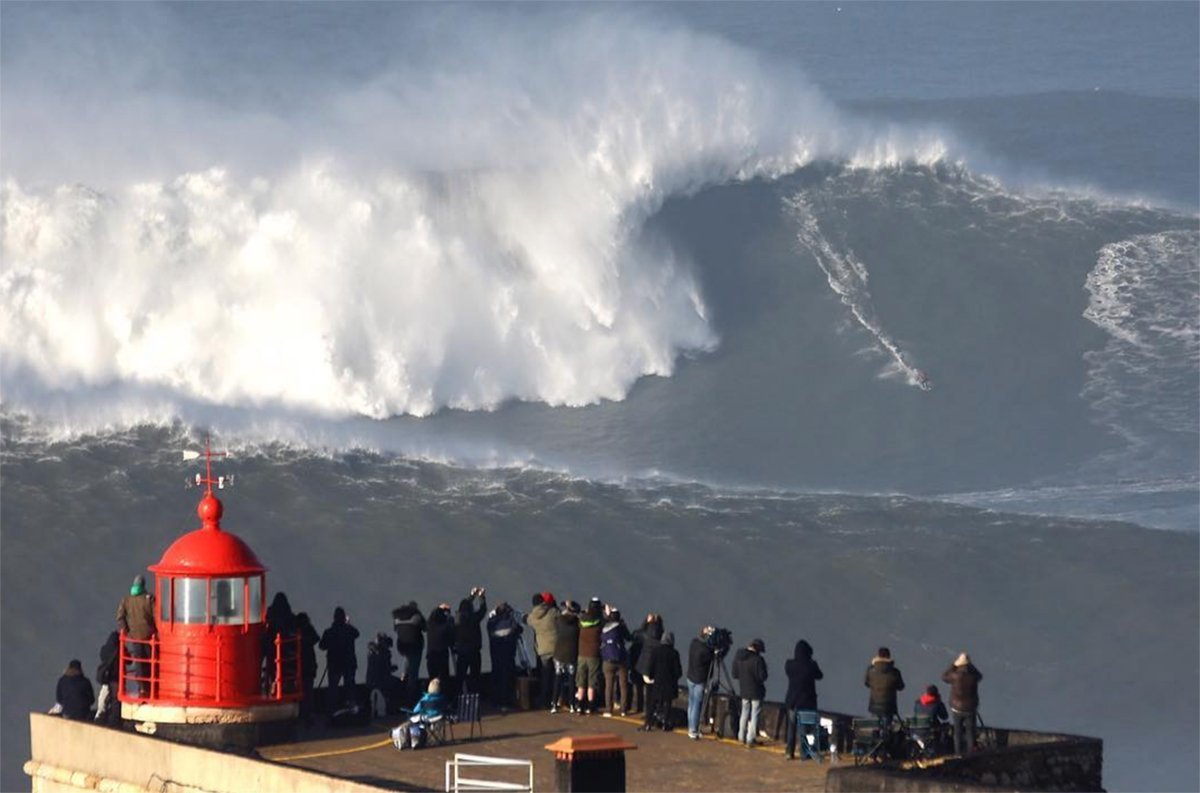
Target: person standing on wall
884, 680
341, 661
750, 670
135, 617
543, 618
409, 624
802, 672
468, 639
964, 679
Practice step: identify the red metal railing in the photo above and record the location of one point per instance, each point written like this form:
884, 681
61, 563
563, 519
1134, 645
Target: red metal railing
205, 688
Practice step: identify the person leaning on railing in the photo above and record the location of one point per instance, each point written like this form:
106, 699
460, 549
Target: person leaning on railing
135, 619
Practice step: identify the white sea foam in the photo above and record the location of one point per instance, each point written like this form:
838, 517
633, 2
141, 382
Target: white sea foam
1143, 292
457, 237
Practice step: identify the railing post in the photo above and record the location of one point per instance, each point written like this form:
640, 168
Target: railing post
278, 666
153, 687
299, 672
220, 646
121, 661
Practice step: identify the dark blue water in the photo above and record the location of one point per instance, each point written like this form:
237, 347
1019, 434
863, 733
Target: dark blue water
583, 265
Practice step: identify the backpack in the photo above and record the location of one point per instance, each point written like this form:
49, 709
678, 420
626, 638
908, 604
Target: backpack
612, 648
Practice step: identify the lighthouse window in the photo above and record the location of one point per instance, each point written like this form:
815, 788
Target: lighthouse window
228, 601
191, 600
255, 585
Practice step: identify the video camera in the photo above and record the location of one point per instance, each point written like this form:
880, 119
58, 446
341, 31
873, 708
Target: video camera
719, 640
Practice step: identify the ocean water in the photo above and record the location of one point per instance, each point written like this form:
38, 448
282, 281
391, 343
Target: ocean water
872, 324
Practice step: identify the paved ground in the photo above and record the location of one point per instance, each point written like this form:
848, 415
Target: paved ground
662, 762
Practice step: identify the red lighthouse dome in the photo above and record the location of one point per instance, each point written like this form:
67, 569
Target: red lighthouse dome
208, 654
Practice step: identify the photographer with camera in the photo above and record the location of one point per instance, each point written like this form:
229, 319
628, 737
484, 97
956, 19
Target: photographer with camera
409, 624
439, 634
468, 639
699, 666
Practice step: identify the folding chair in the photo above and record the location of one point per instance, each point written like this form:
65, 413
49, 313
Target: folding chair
923, 737
870, 740
808, 722
466, 713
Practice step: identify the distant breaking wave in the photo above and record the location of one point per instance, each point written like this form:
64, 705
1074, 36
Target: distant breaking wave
475, 275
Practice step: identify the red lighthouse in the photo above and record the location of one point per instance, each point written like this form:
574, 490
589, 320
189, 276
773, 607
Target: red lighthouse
202, 677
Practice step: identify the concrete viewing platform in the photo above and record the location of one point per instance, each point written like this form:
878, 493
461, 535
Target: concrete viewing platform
666, 761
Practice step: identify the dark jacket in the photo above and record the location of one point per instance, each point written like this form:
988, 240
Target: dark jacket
468, 635
566, 641
935, 709
700, 657
613, 637
650, 634
543, 618
802, 674
338, 643
379, 665
964, 687
665, 669
110, 654
439, 631
884, 680
750, 670
308, 649
503, 633
135, 615
74, 692
409, 624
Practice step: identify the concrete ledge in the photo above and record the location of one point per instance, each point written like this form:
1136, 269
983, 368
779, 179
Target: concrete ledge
190, 714
64, 751
1026, 760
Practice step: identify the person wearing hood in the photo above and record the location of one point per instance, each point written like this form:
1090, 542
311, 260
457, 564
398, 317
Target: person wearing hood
615, 659
663, 683
73, 696
280, 623
439, 634
802, 673
543, 618
308, 661
504, 631
642, 644
108, 709
964, 679
409, 624
468, 639
884, 680
341, 660
566, 653
750, 670
700, 661
414, 733
588, 669
930, 705
135, 618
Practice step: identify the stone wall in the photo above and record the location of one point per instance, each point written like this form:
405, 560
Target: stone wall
78, 755
1026, 760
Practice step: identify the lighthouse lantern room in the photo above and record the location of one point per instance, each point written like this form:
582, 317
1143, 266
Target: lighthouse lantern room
204, 670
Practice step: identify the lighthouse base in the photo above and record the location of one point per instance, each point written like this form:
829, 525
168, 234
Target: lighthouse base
216, 728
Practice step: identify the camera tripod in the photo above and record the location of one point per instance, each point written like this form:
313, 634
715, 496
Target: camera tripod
719, 681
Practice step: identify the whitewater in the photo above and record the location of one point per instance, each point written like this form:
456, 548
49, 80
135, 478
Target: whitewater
757, 292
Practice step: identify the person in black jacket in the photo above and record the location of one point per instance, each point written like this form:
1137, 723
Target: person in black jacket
468, 639
750, 670
884, 680
663, 686
379, 675
281, 623
964, 679
700, 661
566, 653
108, 709
308, 662
643, 641
802, 673
74, 693
341, 661
409, 624
439, 632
